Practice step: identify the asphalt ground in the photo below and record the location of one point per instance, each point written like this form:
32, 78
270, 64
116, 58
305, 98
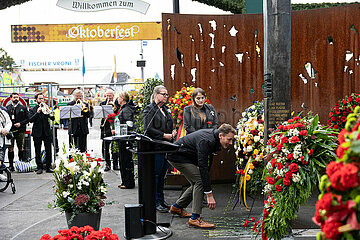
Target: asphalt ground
25, 215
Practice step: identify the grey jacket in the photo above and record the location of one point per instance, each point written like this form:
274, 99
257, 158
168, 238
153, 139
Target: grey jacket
193, 124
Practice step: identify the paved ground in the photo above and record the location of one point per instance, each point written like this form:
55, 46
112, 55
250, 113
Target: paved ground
26, 216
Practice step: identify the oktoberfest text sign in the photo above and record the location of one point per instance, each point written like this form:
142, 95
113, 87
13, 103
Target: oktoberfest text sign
99, 5
86, 32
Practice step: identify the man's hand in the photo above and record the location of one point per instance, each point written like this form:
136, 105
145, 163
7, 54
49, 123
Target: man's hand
113, 132
39, 110
17, 125
4, 132
174, 132
167, 136
211, 201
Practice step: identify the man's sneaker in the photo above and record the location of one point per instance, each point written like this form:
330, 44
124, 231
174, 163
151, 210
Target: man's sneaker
3, 178
199, 223
165, 205
179, 211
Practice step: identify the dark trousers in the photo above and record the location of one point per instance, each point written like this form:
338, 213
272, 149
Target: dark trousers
161, 167
126, 166
79, 140
37, 144
106, 152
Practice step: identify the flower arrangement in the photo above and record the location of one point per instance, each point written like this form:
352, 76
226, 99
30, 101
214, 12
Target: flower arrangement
298, 152
79, 185
179, 101
82, 233
249, 145
345, 106
338, 208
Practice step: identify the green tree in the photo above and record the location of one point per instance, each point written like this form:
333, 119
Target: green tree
6, 61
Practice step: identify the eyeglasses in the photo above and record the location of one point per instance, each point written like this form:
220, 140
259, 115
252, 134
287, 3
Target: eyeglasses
164, 94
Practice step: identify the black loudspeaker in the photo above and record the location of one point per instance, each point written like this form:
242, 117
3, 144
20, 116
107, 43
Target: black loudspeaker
133, 223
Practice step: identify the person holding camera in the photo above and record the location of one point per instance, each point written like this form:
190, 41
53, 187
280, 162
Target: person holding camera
41, 133
19, 116
5, 126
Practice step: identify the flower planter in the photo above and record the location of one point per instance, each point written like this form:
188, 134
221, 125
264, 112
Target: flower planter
83, 219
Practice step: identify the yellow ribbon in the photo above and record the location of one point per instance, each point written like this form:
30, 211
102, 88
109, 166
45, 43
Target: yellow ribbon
242, 181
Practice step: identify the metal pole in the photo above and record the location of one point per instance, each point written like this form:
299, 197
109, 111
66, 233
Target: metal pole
142, 57
176, 7
53, 122
277, 61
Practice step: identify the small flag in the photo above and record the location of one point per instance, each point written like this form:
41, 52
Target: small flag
115, 76
83, 66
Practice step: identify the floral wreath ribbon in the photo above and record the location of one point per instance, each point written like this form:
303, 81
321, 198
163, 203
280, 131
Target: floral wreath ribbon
242, 184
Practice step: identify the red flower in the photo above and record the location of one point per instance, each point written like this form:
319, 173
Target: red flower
294, 167
286, 181
279, 166
45, 237
333, 167
330, 229
294, 139
81, 199
349, 177
343, 119
284, 140
336, 126
311, 152
302, 160
273, 162
252, 219
246, 223
209, 122
270, 180
254, 132
333, 119
178, 101
278, 188
303, 132
290, 156
288, 175
279, 147
340, 151
337, 111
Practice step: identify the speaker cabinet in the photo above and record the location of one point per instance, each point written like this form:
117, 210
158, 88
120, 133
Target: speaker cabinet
133, 224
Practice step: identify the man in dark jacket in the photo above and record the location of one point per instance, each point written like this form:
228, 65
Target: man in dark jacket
41, 133
192, 161
19, 117
105, 128
78, 127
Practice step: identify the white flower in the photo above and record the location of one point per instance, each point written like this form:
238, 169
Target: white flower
250, 171
257, 138
249, 149
66, 193
73, 167
296, 177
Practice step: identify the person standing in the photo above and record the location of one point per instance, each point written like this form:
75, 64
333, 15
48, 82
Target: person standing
78, 127
19, 116
5, 126
126, 116
41, 132
158, 124
192, 160
105, 128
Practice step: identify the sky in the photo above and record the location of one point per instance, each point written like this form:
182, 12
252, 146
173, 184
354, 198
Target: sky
99, 56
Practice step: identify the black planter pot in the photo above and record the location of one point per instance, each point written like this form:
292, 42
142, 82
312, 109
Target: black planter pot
83, 219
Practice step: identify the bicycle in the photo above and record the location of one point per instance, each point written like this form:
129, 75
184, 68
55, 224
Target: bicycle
4, 183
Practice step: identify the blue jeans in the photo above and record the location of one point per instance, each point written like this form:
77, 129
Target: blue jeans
161, 167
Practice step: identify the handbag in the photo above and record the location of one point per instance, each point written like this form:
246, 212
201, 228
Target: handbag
23, 166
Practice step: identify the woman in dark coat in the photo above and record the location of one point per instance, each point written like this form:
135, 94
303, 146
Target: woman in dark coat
199, 115
158, 124
126, 116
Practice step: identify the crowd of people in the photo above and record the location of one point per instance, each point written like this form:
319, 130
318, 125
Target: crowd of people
193, 159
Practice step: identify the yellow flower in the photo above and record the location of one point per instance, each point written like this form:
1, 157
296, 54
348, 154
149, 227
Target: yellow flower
248, 177
256, 151
251, 166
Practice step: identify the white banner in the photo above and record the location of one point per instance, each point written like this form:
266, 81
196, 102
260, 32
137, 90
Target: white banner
99, 5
